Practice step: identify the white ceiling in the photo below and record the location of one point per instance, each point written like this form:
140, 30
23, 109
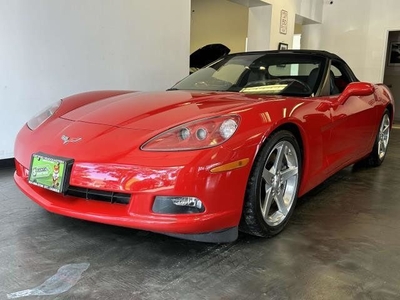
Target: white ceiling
250, 3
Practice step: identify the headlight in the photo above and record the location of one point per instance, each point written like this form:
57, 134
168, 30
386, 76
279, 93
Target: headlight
41, 117
200, 134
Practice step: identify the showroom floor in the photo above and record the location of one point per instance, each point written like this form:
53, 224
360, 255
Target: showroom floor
343, 242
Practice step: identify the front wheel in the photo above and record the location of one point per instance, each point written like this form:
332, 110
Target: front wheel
272, 188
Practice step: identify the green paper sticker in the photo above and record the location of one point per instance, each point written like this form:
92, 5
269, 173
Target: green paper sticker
48, 172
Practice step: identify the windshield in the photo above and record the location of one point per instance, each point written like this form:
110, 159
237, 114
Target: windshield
261, 73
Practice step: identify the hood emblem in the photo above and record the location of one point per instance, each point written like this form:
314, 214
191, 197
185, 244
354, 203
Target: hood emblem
67, 139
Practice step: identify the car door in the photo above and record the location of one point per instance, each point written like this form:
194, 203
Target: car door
353, 121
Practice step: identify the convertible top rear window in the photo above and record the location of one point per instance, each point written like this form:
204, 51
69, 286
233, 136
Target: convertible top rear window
260, 73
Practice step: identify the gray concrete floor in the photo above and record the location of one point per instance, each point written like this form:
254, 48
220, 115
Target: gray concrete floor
342, 243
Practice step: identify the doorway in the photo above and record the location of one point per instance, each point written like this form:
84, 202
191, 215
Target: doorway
218, 22
298, 28
392, 68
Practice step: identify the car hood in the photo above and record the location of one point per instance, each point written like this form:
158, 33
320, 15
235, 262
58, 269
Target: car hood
156, 110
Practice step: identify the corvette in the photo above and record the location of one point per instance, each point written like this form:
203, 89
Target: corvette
228, 148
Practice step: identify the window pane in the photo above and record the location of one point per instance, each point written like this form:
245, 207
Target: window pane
336, 71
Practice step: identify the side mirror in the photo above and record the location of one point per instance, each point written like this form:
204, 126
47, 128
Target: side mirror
356, 89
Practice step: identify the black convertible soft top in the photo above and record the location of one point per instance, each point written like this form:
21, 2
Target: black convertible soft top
303, 51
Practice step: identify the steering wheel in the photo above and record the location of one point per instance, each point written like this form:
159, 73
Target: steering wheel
304, 86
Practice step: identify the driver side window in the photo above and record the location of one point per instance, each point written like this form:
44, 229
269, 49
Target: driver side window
339, 78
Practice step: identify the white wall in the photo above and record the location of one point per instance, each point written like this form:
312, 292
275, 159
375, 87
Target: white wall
50, 49
357, 33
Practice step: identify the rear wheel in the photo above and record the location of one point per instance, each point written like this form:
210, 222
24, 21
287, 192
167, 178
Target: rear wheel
272, 188
379, 151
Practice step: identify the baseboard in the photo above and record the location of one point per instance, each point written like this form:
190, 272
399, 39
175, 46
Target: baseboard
7, 163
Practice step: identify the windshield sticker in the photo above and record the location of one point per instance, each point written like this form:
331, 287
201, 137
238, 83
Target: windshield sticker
264, 89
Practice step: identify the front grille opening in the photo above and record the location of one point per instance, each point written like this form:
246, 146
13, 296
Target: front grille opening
99, 195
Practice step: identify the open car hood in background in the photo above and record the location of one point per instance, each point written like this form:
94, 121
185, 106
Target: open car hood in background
207, 54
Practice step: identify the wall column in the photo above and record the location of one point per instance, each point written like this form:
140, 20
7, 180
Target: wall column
311, 36
259, 28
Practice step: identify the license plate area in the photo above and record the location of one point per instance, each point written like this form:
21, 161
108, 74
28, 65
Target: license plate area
50, 172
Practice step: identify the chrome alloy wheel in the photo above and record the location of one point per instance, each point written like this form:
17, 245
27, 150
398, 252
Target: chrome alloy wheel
280, 178
383, 136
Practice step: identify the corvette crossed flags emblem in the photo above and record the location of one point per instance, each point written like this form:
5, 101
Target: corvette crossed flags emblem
67, 139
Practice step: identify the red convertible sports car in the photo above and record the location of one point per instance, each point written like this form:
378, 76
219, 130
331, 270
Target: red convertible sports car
228, 148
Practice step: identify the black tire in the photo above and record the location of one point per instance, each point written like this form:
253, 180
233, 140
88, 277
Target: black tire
376, 157
252, 221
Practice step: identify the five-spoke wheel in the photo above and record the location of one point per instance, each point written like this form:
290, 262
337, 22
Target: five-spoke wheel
279, 183
383, 136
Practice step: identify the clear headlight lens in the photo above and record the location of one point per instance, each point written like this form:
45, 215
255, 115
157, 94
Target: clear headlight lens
41, 117
228, 128
200, 134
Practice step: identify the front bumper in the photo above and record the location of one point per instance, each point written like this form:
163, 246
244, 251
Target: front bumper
222, 200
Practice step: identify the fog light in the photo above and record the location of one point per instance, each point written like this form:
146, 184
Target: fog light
177, 205
187, 201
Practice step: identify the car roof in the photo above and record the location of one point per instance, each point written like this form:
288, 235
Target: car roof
306, 52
